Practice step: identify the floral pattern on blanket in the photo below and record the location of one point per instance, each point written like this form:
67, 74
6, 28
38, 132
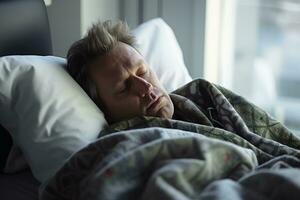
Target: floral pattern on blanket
218, 146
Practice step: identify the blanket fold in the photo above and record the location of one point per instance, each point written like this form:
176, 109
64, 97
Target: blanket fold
217, 146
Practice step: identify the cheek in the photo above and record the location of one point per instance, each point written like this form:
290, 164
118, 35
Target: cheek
156, 83
105, 100
155, 80
127, 103
169, 106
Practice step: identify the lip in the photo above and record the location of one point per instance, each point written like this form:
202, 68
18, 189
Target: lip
154, 103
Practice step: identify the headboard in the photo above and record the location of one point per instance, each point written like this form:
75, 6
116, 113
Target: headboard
24, 31
24, 28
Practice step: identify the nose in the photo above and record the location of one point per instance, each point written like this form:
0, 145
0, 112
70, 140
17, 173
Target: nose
141, 87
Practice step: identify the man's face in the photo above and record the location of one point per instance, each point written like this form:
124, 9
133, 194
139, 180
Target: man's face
127, 87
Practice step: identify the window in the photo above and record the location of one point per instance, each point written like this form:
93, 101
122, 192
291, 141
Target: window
253, 48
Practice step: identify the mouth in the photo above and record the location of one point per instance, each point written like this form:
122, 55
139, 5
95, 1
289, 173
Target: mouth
153, 104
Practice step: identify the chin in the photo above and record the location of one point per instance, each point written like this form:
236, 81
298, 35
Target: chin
165, 113
167, 110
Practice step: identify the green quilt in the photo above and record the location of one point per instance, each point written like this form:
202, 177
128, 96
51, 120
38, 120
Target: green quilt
218, 146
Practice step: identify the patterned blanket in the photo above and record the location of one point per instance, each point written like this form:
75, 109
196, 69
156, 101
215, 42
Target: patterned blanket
218, 146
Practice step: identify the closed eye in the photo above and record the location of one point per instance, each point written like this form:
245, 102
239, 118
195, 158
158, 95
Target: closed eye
143, 73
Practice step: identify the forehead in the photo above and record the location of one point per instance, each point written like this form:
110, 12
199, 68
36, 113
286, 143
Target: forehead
121, 54
119, 60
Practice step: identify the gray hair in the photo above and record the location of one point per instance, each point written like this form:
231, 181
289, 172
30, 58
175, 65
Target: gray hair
100, 40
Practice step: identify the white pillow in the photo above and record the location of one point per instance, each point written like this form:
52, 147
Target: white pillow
48, 114
157, 43
45, 110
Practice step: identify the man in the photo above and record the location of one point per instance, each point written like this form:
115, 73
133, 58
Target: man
207, 143
115, 75
108, 66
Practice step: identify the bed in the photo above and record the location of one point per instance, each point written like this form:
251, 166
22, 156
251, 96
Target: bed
27, 39
56, 144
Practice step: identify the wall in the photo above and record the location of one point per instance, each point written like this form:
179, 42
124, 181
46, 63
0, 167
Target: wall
186, 18
69, 21
245, 46
64, 19
94, 10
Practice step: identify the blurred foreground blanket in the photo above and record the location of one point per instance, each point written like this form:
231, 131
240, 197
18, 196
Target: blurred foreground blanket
218, 146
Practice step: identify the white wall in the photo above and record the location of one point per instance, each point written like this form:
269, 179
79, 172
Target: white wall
69, 20
129, 12
95, 10
186, 18
245, 46
64, 19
